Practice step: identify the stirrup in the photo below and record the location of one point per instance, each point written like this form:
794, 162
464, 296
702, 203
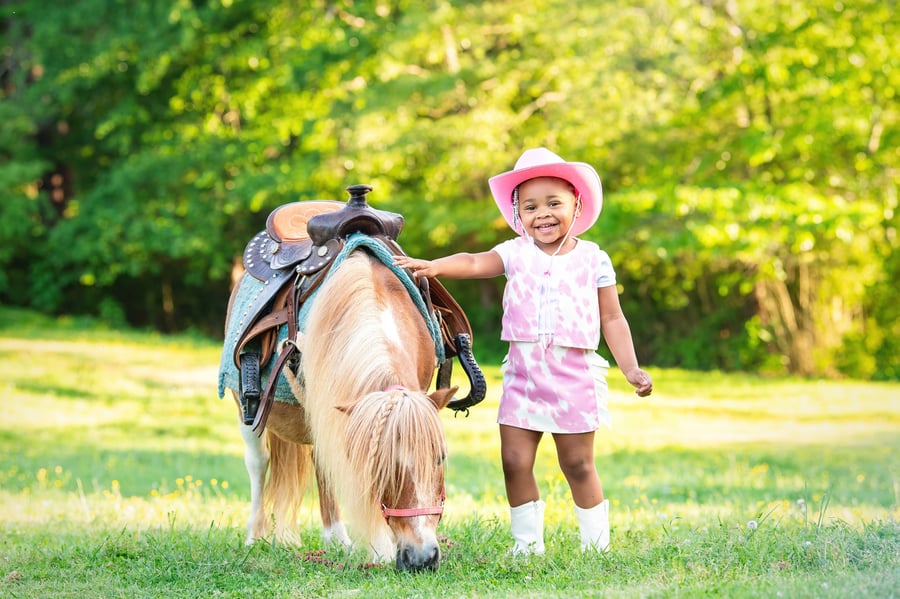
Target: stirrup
250, 386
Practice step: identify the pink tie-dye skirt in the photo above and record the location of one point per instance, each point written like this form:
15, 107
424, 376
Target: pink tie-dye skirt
554, 389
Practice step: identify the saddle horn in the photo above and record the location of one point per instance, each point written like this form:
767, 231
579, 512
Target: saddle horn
355, 216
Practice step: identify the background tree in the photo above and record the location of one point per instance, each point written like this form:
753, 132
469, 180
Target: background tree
748, 151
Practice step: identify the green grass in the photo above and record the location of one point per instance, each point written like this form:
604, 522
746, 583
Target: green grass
121, 475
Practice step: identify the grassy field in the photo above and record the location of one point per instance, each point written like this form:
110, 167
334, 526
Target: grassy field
121, 476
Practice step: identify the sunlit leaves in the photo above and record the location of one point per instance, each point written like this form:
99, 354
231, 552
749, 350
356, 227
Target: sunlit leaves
737, 142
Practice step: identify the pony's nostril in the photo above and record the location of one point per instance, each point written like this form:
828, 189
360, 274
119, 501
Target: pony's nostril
435, 558
403, 558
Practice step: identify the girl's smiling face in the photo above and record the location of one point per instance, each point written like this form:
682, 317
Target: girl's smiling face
547, 207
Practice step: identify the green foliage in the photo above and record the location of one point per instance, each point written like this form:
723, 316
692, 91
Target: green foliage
748, 150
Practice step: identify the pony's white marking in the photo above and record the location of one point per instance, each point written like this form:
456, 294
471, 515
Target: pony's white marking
337, 534
389, 326
256, 459
421, 523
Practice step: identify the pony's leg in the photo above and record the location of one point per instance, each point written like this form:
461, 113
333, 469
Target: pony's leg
256, 459
383, 548
333, 530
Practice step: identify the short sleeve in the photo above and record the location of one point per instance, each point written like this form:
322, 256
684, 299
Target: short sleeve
505, 250
606, 274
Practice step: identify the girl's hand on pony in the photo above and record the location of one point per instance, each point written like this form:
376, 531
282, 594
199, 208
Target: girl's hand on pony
641, 381
419, 268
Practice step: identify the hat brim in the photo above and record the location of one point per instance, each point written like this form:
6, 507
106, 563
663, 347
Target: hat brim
581, 175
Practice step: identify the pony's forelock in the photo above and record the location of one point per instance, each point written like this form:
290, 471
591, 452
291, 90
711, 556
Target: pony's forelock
396, 434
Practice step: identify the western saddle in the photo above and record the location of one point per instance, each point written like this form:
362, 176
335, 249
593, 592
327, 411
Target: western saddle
292, 256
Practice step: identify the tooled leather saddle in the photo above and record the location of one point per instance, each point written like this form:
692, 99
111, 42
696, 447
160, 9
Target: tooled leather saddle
292, 256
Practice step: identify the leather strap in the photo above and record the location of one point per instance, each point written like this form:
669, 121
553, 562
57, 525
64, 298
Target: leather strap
410, 512
266, 326
267, 399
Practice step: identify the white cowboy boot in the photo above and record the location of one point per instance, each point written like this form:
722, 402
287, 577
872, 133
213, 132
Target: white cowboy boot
594, 525
527, 526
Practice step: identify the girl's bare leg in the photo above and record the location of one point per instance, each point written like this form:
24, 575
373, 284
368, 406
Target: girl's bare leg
575, 453
518, 448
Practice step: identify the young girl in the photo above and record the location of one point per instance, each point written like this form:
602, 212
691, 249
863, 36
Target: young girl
560, 292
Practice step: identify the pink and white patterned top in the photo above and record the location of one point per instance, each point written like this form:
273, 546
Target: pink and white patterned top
553, 300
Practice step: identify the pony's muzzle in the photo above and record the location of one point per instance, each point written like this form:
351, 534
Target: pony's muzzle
416, 559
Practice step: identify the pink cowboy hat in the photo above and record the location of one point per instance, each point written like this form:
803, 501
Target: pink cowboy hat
541, 162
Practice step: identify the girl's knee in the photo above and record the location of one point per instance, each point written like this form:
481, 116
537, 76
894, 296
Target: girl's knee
514, 462
578, 468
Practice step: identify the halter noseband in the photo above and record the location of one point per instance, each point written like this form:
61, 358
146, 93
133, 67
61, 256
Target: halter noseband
410, 512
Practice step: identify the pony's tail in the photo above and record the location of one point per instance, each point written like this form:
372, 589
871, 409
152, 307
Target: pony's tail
289, 473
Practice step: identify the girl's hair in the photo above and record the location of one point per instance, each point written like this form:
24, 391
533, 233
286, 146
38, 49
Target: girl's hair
517, 222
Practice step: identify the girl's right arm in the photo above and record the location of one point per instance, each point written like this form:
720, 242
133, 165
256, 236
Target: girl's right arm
482, 265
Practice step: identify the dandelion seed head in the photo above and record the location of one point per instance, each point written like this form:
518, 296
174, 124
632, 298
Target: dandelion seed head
752, 525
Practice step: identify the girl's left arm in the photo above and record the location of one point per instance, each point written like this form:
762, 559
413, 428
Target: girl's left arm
617, 333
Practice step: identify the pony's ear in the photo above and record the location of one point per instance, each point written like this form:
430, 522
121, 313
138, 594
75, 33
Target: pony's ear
347, 408
441, 397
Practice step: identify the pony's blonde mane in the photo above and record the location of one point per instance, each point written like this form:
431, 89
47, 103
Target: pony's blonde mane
393, 436
337, 328
348, 361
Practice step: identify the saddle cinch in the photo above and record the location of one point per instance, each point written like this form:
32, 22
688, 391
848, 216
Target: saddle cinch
292, 256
